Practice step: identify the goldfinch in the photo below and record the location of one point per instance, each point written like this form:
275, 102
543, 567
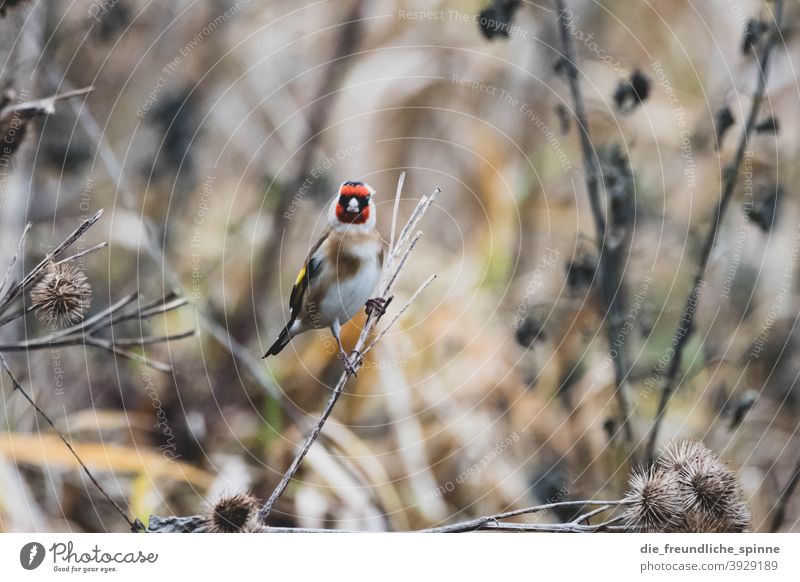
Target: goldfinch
341, 270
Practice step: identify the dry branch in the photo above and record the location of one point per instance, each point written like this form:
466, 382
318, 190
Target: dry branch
672, 498
610, 280
199, 523
685, 327
87, 332
494, 521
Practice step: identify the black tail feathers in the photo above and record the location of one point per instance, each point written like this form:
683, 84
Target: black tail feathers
283, 339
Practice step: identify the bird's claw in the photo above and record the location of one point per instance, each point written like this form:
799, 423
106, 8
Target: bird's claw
349, 365
377, 306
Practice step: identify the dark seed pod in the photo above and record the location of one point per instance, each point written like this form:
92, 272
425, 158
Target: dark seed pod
62, 296
563, 117
231, 514
610, 427
768, 125
640, 86
529, 331
562, 66
753, 31
741, 406
723, 122
633, 92
581, 271
114, 20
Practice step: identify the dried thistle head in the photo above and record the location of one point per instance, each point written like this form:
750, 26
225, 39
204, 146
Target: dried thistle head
63, 295
714, 499
679, 456
656, 501
712, 495
231, 514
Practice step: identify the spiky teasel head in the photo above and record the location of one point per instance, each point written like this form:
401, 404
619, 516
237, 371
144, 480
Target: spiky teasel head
655, 501
714, 498
63, 295
232, 514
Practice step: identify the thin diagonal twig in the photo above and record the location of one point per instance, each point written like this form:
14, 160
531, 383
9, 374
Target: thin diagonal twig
92, 249
487, 520
398, 315
16, 254
685, 328
610, 285
134, 525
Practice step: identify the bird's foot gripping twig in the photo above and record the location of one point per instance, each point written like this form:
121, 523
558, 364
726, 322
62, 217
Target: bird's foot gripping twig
376, 306
349, 364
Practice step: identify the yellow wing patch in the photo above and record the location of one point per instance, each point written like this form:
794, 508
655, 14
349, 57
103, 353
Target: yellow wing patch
308, 272
300, 276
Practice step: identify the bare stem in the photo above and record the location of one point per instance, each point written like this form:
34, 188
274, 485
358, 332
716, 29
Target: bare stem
609, 284
685, 328
13, 261
198, 523
492, 521
783, 501
264, 512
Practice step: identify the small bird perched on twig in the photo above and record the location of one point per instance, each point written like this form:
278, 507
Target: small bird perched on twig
340, 272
